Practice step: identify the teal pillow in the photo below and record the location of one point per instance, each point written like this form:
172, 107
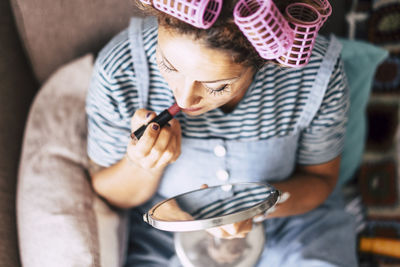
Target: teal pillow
361, 60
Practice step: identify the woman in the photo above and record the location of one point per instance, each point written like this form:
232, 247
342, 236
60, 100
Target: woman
244, 118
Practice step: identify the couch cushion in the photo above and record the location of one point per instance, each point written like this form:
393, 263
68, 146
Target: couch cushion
56, 31
59, 216
361, 60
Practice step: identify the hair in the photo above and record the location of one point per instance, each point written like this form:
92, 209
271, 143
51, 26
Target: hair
221, 33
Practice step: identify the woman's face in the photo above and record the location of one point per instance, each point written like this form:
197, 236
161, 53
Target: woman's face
201, 78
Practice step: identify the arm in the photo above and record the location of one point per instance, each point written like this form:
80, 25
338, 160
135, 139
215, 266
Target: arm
131, 170
135, 178
308, 188
311, 183
120, 188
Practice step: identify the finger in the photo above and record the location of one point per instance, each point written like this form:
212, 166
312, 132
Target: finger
174, 123
147, 141
141, 117
176, 127
161, 145
239, 229
219, 232
138, 118
231, 229
176, 148
168, 155
164, 139
165, 150
245, 227
228, 236
177, 133
203, 186
216, 231
259, 218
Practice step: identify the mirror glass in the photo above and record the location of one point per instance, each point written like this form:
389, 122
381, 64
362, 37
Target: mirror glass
212, 206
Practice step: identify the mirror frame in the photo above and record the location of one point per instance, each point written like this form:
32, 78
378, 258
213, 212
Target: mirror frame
195, 225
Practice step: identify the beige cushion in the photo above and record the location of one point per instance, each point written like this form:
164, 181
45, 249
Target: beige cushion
57, 31
60, 219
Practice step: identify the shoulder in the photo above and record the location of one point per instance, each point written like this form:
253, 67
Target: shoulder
319, 51
116, 51
117, 57
320, 47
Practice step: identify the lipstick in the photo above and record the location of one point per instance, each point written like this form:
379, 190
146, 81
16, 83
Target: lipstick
162, 119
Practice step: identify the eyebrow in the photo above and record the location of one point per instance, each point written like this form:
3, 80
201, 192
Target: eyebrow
215, 81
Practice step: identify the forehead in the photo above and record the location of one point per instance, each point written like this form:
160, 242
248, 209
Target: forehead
193, 58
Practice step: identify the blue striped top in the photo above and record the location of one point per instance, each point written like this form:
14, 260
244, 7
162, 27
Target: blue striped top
271, 107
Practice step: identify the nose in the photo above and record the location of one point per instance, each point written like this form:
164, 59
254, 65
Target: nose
188, 95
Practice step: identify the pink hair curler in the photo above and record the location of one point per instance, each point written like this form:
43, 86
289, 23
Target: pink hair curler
264, 26
305, 22
199, 13
324, 8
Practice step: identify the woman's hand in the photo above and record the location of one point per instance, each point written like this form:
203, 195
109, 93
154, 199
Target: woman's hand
170, 211
135, 178
157, 147
234, 230
241, 229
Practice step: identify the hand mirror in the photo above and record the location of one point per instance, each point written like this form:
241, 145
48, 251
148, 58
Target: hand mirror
212, 207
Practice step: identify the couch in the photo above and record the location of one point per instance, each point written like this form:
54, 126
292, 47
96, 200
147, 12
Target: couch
36, 38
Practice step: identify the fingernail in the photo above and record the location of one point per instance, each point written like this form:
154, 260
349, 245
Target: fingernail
148, 114
230, 228
155, 127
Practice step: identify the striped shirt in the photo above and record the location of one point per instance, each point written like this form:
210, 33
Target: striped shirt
270, 108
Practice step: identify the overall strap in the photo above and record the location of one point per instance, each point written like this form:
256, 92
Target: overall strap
321, 82
139, 58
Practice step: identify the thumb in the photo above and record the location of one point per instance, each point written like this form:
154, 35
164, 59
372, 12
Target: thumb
231, 229
141, 117
204, 186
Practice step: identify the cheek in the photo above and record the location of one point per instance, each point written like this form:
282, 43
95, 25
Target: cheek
171, 78
218, 100
239, 89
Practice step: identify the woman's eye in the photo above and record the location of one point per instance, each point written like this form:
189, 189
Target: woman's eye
164, 67
219, 90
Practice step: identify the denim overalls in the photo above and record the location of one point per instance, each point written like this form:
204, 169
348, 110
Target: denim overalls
322, 237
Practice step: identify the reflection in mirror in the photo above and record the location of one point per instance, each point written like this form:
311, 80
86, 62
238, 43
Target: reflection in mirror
199, 248
212, 202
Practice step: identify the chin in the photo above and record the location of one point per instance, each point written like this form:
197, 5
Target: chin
193, 113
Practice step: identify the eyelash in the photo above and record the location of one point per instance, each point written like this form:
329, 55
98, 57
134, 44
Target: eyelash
210, 90
218, 91
164, 67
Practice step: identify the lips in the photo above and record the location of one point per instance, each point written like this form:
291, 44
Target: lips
191, 109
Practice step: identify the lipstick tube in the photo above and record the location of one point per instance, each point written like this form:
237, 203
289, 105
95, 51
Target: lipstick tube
162, 119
